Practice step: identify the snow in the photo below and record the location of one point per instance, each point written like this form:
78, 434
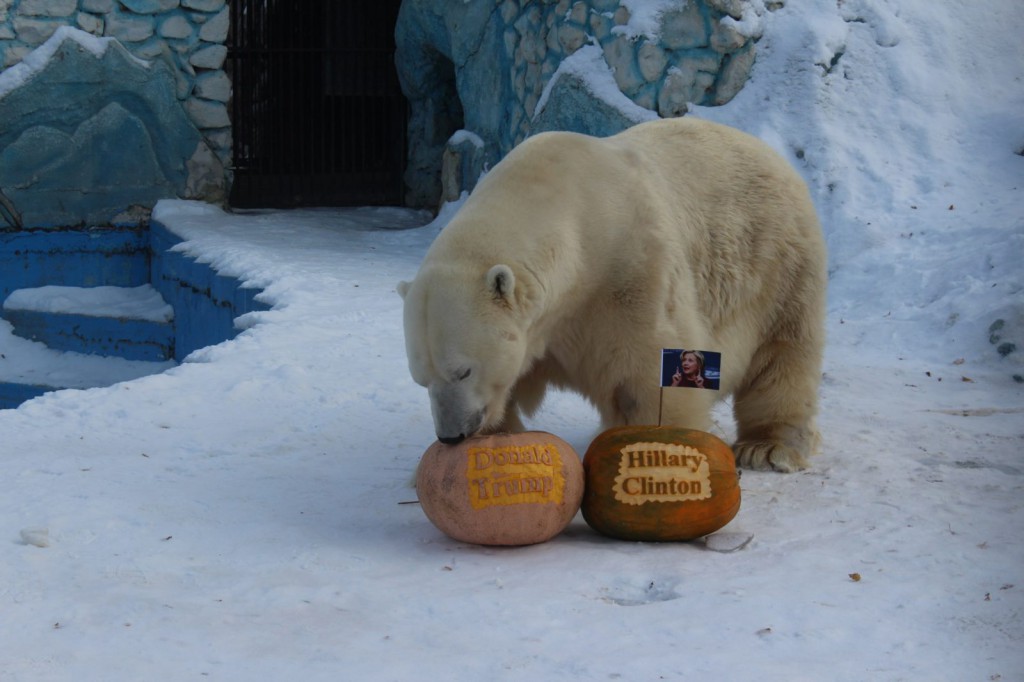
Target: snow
910, 141
461, 136
645, 17
749, 24
247, 515
139, 303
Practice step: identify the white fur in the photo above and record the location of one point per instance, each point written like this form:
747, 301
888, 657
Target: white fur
577, 259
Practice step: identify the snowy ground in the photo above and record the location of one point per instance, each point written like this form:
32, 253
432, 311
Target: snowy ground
244, 515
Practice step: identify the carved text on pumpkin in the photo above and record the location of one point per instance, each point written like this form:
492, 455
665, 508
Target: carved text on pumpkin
515, 474
662, 472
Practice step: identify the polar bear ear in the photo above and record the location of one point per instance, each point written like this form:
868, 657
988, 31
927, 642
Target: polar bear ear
501, 282
403, 288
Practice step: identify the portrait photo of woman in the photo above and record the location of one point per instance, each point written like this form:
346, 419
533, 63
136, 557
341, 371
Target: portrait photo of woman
690, 368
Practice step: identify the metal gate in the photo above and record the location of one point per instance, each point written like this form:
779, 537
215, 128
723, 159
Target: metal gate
317, 115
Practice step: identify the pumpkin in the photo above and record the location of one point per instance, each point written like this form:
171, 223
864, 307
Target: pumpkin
659, 483
503, 489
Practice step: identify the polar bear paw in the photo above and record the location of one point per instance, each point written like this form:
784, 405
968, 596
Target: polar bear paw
769, 456
783, 447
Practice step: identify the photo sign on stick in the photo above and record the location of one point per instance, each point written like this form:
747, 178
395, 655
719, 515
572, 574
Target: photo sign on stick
683, 368
688, 368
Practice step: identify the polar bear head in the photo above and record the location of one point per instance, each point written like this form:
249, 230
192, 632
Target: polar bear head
466, 343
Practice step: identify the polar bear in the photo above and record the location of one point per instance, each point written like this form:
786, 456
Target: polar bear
577, 259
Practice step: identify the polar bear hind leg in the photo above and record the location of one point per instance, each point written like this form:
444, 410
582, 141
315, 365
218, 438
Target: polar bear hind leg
775, 408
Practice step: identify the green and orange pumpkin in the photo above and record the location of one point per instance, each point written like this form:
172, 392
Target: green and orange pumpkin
659, 483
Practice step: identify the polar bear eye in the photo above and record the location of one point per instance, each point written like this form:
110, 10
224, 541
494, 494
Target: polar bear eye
463, 374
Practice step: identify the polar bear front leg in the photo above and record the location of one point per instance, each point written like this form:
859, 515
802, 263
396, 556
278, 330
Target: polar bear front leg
510, 423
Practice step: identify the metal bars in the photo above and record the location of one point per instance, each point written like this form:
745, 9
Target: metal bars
318, 118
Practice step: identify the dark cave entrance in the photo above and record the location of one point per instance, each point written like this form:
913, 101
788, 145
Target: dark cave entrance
317, 114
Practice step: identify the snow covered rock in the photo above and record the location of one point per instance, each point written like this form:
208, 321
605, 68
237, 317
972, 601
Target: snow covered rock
116, 137
185, 36
582, 95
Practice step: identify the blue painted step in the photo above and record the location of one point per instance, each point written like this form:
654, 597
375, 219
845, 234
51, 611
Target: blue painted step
132, 323
13, 394
205, 303
86, 257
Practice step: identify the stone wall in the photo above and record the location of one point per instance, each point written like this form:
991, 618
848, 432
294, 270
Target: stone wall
488, 67
500, 69
186, 38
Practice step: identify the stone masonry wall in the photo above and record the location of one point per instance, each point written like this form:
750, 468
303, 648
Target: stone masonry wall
690, 57
187, 35
497, 57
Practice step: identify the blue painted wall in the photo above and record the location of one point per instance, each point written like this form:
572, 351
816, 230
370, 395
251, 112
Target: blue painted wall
205, 303
73, 257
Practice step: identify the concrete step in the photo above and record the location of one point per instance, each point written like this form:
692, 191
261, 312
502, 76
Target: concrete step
28, 369
134, 323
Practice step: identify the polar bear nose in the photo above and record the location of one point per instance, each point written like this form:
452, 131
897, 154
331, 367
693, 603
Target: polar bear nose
452, 440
